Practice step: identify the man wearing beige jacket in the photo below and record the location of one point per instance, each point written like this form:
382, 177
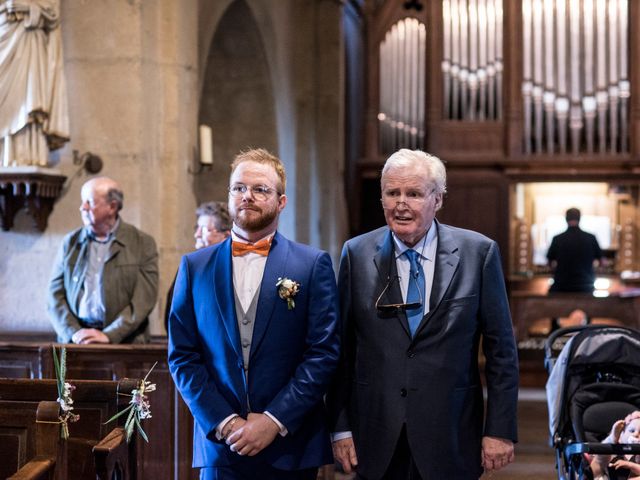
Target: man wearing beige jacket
105, 279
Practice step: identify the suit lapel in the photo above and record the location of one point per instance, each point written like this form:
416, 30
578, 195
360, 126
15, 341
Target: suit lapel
114, 250
119, 242
275, 268
223, 282
385, 262
447, 259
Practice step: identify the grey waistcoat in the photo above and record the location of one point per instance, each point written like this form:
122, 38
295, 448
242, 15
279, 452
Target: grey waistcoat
246, 321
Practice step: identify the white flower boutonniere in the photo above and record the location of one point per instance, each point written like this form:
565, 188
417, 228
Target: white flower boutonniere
287, 289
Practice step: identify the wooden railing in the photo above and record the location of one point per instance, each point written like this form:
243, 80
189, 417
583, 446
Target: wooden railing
169, 451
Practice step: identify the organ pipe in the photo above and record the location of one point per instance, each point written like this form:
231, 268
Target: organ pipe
402, 86
586, 108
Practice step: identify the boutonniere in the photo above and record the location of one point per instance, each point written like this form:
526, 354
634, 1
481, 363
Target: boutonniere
287, 289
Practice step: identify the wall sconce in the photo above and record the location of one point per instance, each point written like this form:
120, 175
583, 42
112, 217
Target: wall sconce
91, 163
205, 143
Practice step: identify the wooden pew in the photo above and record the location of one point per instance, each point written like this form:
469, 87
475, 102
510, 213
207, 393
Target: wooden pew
169, 451
95, 450
30, 438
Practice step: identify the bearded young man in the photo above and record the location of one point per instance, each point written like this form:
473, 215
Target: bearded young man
253, 339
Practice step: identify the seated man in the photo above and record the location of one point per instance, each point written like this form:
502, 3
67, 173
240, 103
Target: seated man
572, 255
213, 225
105, 279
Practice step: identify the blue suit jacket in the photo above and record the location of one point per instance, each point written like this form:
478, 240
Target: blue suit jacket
293, 356
430, 382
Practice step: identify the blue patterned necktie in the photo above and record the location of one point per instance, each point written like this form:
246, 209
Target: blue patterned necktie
415, 290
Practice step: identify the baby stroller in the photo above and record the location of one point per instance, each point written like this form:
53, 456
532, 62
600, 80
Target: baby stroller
593, 382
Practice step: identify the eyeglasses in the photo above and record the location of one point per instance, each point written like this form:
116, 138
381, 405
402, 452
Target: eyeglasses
207, 229
259, 192
401, 307
413, 198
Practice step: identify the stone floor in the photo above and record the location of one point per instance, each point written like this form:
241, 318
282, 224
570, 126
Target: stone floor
534, 458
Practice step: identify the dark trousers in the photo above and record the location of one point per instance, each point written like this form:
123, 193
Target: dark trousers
255, 471
402, 465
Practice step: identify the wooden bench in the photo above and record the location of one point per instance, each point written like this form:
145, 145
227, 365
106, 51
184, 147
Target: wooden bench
170, 449
94, 450
168, 453
30, 439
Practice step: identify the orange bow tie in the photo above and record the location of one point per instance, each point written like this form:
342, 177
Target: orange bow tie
262, 247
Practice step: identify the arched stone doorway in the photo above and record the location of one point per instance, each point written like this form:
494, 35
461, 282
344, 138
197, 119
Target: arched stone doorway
237, 98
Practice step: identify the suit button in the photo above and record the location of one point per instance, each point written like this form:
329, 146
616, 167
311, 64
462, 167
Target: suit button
403, 392
411, 353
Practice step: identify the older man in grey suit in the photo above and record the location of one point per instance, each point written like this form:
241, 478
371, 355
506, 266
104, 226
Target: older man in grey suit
105, 280
416, 298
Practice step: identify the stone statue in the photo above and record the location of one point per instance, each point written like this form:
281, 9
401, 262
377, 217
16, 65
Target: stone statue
33, 99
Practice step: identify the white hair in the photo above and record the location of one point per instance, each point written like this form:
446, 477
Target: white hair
436, 174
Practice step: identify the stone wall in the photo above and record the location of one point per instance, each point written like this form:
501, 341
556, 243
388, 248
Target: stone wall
137, 87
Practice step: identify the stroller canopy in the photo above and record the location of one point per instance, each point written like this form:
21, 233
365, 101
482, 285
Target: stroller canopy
594, 354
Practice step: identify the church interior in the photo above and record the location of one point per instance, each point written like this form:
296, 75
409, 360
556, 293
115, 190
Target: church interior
531, 104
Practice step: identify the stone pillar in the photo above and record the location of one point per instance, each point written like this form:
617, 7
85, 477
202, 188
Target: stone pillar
131, 68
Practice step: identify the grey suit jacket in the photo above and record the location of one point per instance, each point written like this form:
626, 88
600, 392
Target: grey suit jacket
431, 382
130, 283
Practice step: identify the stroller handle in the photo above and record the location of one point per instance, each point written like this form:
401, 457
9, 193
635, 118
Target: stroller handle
598, 448
549, 359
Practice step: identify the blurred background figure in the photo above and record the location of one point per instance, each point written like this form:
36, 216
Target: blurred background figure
572, 255
105, 280
213, 225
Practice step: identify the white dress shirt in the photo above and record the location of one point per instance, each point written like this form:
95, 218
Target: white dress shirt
426, 249
248, 270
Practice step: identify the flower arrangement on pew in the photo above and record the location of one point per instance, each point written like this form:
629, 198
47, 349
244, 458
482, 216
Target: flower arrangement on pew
139, 407
64, 392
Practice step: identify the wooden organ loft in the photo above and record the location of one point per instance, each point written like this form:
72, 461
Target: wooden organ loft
534, 107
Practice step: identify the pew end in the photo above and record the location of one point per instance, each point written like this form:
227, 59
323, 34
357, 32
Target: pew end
112, 455
39, 468
49, 462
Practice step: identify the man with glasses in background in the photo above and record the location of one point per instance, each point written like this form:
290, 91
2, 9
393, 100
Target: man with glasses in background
253, 338
213, 225
416, 298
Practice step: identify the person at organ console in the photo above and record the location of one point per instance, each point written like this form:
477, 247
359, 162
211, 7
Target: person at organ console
572, 255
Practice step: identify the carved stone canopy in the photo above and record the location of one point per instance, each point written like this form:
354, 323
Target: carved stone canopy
35, 188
